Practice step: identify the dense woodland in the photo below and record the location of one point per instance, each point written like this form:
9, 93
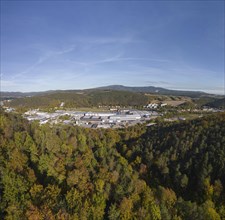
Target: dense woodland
218, 103
168, 171
82, 99
96, 98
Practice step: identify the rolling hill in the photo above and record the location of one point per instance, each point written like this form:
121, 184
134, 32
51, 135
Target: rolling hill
154, 90
106, 96
146, 89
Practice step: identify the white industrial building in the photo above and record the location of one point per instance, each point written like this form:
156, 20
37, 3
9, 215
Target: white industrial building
125, 117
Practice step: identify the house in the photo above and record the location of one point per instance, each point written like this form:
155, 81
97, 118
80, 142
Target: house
163, 104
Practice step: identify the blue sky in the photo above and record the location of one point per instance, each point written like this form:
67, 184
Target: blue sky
49, 45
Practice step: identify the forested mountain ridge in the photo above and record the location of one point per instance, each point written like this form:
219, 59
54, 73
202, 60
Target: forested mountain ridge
155, 90
171, 171
82, 99
108, 96
143, 89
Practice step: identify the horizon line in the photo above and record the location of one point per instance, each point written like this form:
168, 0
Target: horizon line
99, 87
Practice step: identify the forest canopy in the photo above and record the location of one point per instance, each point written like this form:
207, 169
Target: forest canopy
168, 171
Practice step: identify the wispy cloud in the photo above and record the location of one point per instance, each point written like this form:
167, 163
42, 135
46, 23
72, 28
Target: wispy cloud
44, 57
118, 58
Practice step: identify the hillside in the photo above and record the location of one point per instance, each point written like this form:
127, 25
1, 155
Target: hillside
82, 99
146, 89
14, 95
218, 103
171, 171
110, 96
155, 90
182, 156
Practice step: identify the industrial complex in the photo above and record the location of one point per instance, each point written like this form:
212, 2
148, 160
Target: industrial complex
115, 119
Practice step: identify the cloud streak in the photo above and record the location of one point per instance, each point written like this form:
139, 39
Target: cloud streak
47, 55
118, 58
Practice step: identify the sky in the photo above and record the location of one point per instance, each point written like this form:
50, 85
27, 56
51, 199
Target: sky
48, 45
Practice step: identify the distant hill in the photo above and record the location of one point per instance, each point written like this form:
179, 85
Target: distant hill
13, 95
155, 90
5, 95
108, 96
82, 99
146, 89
